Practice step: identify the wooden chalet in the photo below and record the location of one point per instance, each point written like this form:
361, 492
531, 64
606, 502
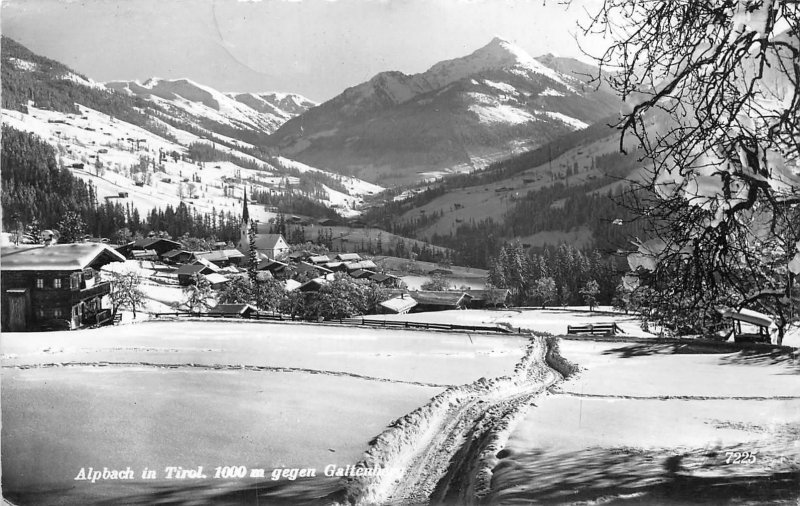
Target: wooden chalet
318, 259
348, 257
144, 254
176, 256
158, 244
217, 280
186, 273
361, 274
387, 280
440, 300
401, 304
490, 297
310, 270
234, 310
368, 265
55, 286
313, 285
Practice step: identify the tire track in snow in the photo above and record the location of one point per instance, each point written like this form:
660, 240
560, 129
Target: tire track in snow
225, 367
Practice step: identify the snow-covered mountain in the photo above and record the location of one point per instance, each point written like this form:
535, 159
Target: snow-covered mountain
159, 143
458, 115
263, 112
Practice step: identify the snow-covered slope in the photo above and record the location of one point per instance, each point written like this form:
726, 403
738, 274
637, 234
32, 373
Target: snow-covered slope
458, 115
133, 166
263, 112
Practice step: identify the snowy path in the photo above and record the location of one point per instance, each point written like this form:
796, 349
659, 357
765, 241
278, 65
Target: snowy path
443, 452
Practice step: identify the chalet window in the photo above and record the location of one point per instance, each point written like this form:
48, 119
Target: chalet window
39, 283
75, 281
57, 313
57, 283
88, 273
41, 313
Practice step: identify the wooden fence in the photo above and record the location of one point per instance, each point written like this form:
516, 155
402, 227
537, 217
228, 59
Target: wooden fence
349, 321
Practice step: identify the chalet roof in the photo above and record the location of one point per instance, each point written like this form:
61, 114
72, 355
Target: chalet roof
334, 265
381, 277
150, 241
319, 259
173, 253
306, 267
399, 304
190, 269
292, 284
364, 264
144, 253
212, 256
58, 257
232, 308
313, 285
233, 253
361, 273
439, 298
491, 295
215, 278
204, 261
271, 265
348, 257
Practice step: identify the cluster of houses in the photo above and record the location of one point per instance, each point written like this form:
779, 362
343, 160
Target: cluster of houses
58, 285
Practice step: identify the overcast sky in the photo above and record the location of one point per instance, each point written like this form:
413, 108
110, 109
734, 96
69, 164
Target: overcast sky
313, 47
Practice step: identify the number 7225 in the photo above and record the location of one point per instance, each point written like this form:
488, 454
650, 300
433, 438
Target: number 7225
740, 457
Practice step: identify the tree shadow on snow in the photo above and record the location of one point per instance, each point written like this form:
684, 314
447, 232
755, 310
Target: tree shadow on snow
635, 477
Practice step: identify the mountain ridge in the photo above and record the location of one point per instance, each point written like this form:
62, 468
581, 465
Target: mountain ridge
458, 115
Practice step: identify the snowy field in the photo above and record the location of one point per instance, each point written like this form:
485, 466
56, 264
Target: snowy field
553, 321
413, 356
215, 393
653, 424
59, 420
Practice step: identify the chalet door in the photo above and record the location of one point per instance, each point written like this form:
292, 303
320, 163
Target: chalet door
17, 311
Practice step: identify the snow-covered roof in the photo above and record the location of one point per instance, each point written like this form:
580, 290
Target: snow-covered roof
149, 241
749, 316
215, 278
58, 257
292, 284
207, 263
191, 269
399, 304
348, 257
364, 264
439, 298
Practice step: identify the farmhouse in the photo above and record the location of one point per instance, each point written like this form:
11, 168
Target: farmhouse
58, 286
440, 300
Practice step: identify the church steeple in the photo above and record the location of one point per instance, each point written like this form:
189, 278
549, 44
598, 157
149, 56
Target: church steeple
245, 213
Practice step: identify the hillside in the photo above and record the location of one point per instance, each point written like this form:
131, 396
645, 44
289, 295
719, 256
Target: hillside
141, 154
558, 193
458, 116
